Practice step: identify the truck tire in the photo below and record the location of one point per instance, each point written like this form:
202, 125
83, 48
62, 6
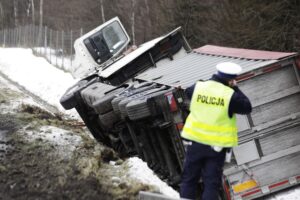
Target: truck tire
68, 100
124, 102
141, 87
138, 108
104, 105
115, 104
108, 119
122, 106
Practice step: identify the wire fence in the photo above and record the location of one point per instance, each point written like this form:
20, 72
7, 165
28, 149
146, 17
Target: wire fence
54, 45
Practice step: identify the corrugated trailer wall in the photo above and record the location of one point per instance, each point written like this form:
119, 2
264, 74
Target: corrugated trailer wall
270, 136
274, 95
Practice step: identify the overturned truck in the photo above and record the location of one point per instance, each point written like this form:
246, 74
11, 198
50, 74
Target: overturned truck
130, 100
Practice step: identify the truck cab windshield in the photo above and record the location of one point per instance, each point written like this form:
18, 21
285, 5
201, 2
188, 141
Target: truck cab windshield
106, 43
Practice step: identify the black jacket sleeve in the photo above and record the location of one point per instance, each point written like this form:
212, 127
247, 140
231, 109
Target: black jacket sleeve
239, 103
189, 91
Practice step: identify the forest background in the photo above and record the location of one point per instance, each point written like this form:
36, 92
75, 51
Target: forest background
255, 24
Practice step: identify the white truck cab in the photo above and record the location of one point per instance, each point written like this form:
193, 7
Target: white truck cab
99, 47
102, 51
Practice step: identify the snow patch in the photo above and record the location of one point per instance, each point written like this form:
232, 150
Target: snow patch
36, 75
56, 57
138, 169
15, 105
64, 141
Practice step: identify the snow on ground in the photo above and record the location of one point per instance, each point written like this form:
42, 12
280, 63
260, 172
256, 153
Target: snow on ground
36, 75
18, 102
49, 83
139, 170
56, 57
64, 141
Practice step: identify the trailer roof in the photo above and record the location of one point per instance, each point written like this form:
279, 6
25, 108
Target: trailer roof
243, 53
200, 65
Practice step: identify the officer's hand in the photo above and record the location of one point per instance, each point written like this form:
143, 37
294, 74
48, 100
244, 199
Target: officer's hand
178, 87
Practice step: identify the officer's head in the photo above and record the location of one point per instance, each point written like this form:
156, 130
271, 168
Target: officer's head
228, 71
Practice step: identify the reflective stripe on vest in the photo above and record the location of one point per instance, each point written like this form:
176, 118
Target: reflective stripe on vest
208, 121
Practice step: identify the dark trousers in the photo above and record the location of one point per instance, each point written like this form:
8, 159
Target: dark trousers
202, 161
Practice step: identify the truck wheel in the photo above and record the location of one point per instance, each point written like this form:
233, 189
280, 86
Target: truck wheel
115, 104
122, 106
142, 87
104, 105
138, 109
108, 119
68, 100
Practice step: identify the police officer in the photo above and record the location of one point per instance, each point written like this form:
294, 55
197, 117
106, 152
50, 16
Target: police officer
211, 128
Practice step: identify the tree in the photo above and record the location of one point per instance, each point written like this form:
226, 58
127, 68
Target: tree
268, 25
41, 22
102, 11
133, 21
16, 13
1, 16
32, 11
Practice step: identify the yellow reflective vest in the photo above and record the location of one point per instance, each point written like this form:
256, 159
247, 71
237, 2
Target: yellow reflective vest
209, 122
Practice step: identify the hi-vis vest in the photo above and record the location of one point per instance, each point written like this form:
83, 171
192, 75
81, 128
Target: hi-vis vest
209, 122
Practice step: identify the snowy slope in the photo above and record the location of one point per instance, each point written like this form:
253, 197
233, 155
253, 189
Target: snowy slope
49, 83
36, 75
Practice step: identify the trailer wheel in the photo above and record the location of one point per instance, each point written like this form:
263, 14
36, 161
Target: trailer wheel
68, 100
108, 119
104, 105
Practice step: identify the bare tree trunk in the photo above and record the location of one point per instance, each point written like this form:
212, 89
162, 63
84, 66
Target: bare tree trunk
41, 22
16, 13
148, 28
102, 11
32, 11
2, 16
133, 22
41, 12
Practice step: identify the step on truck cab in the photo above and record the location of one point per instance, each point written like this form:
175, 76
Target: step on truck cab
130, 100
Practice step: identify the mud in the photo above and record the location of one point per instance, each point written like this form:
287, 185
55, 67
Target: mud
45, 157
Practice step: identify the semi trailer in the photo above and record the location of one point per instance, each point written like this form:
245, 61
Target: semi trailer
133, 100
